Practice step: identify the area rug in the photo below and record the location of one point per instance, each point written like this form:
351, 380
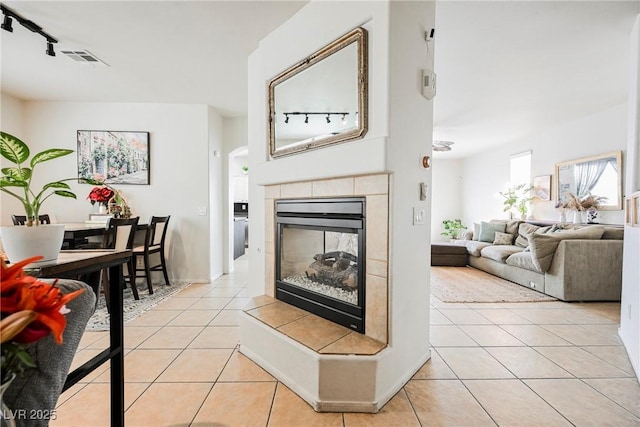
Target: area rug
133, 308
467, 284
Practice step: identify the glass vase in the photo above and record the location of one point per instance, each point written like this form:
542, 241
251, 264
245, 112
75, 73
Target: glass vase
7, 418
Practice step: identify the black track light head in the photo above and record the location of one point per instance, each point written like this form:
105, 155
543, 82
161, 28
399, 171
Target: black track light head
328, 118
286, 118
7, 24
306, 118
50, 50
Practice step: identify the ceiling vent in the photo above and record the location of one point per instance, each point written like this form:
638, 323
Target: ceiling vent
442, 145
84, 57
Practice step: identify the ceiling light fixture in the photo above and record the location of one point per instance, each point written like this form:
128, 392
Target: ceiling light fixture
327, 115
442, 145
9, 15
50, 50
7, 24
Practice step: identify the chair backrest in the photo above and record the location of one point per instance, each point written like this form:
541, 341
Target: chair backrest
157, 231
120, 233
22, 219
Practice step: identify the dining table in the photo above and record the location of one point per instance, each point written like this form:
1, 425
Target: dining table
71, 264
76, 233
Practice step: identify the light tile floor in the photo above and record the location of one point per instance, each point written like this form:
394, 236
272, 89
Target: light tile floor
529, 364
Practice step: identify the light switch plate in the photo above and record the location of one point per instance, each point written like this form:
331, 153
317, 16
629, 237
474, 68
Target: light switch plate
419, 215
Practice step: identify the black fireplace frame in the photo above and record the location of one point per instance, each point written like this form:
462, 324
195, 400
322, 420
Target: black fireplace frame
347, 214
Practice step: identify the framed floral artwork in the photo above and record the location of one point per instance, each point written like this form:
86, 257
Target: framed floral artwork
115, 157
541, 188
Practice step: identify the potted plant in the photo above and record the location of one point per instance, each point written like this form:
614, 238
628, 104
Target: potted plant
517, 197
25, 242
452, 228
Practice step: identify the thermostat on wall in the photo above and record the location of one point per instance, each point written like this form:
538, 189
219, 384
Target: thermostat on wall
428, 83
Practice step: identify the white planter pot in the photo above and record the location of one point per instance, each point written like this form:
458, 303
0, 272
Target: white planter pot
21, 242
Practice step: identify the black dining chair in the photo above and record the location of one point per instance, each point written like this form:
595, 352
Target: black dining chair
120, 234
155, 236
22, 219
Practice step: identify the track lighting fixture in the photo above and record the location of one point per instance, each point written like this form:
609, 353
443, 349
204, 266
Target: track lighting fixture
7, 24
50, 50
9, 15
327, 115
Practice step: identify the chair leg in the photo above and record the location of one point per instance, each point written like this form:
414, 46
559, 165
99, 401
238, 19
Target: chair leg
147, 271
105, 288
132, 279
164, 268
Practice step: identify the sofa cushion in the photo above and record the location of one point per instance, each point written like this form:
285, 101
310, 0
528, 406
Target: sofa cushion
499, 253
474, 247
511, 225
524, 230
522, 260
543, 246
613, 233
488, 231
503, 239
476, 230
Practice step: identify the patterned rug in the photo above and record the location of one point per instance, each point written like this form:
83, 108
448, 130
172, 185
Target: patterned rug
132, 307
467, 284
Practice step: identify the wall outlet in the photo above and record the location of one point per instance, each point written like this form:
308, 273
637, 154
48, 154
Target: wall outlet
533, 285
202, 211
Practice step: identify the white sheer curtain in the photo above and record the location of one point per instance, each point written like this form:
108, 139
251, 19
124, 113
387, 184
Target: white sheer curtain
587, 174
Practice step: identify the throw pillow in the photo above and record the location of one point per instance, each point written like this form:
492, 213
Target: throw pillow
503, 238
543, 246
476, 231
488, 231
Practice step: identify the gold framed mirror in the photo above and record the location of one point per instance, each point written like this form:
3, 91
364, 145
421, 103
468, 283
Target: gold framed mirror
321, 100
597, 175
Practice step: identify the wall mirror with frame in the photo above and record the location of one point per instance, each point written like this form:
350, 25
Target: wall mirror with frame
321, 100
599, 175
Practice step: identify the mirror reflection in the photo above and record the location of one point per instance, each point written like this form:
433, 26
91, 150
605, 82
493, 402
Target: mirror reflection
598, 175
321, 100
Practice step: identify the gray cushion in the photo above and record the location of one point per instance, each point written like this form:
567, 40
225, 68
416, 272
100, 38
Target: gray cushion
503, 238
521, 260
499, 253
488, 231
474, 247
38, 389
543, 246
524, 230
611, 233
511, 225
476, 230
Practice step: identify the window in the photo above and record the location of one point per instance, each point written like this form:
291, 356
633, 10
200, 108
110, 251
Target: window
520, 168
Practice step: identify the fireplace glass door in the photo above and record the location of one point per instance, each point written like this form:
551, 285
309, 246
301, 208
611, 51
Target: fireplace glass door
320, 260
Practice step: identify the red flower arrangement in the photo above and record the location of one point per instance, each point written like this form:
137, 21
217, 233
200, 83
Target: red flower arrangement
30, 310
100, 195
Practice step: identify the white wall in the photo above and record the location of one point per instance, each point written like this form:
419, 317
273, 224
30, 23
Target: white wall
486, 174
630, 302
446, 191
400, 129
179, 145
216, 193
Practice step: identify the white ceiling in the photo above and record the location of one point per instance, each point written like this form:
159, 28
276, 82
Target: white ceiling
505, 69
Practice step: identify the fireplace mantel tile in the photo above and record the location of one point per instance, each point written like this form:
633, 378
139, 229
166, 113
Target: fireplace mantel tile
333, 187
296, 189
354, 343
314, 331
277, 314
371, 184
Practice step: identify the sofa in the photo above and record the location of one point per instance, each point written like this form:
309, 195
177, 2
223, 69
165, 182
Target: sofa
566, 261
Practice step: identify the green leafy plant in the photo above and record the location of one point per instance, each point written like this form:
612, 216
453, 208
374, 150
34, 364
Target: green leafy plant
452, 228
16, 180
517, 197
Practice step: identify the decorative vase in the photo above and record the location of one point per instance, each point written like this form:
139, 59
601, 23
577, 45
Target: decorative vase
592, 216
21, 242
577, 217
563, 216
7, 418
102, 209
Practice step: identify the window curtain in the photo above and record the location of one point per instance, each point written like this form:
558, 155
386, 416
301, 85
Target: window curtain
587, 174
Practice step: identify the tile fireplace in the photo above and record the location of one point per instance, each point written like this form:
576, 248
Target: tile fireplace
320, 257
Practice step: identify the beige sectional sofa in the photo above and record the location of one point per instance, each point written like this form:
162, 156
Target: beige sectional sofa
566, 261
